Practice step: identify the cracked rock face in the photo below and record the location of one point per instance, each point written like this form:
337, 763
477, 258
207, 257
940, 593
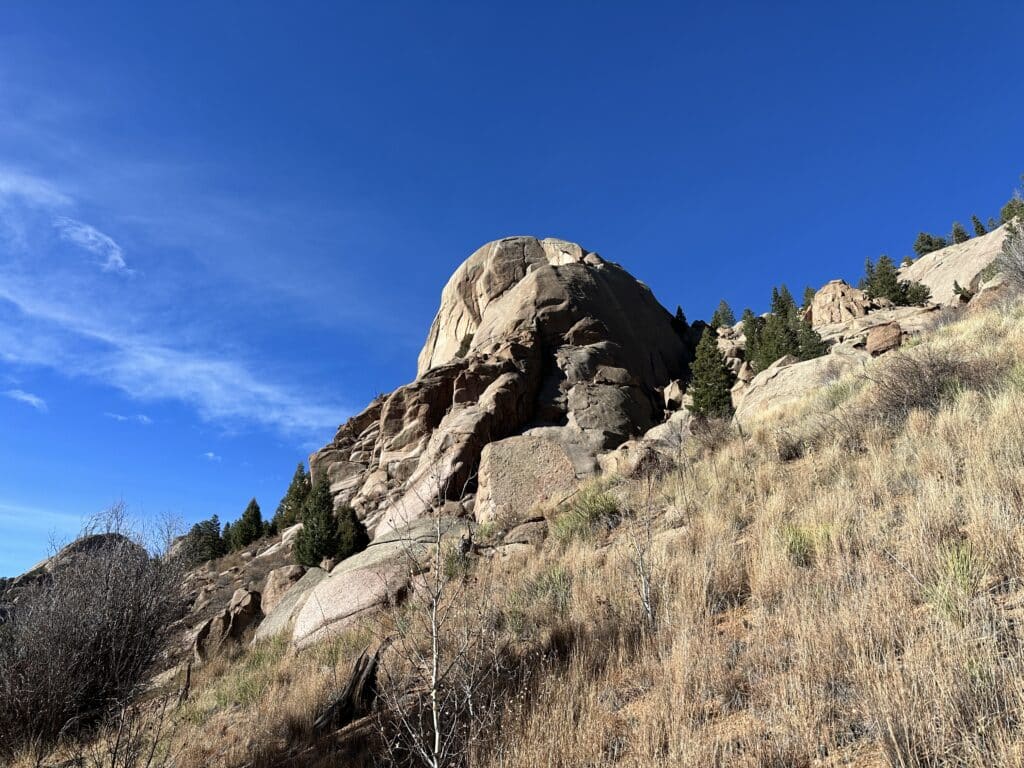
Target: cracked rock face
534, 337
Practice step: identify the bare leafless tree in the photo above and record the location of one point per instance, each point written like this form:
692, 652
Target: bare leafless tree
440, 683
1011, 259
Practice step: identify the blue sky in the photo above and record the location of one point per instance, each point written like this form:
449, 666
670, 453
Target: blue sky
224, 227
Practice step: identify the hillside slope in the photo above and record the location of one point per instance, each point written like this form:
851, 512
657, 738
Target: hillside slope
839, 586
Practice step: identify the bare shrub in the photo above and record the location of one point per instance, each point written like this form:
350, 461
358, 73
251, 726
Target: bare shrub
83, 634
1011, 259
442, 684
133, 736
711, 434
923, 379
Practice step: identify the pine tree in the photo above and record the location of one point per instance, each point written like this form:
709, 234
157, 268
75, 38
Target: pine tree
809, 294
979, 228
992, 223
882, 281
959, 234
723, 316
927, 243
319, 536
783, 303
711, 380
1013, 208
778, 339
325, 534
907, 261
915, 294
752, 327
248, 528
290, 508
680, 326
681, 317
204, 542
354, 537
809, 343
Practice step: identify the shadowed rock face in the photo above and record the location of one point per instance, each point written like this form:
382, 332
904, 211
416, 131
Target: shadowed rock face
536, 337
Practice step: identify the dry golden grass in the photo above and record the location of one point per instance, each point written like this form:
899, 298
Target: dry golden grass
857, 605
855, 601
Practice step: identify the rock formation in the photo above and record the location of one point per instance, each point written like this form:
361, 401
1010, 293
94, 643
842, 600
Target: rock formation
536, 338
961, 263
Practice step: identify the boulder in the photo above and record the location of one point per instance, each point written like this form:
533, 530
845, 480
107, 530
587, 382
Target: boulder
278, 582
991, 293
281, 617
537, 336
243, 612
789, 380
519, 476
882, 338
961, 263
837, 302
673, 395
375, 577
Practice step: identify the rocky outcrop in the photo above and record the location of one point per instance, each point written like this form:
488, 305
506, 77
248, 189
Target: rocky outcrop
962, 263
231, 624
912, 321
534, 337
837, 302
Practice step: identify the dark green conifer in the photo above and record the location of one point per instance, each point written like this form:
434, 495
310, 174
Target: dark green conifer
979, 228
723, 315
959, 233
778, 339
1012, 209
204, 541
290, 508
711, 380
248, 528
325, 534
927, 243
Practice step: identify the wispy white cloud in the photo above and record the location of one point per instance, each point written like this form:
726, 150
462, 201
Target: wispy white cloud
91, 239
31, 190
60, 335
79, 325
140, 418
211, 456
27, 398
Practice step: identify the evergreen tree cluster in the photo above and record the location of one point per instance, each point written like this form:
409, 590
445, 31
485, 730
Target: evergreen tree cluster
926, 242
881, 281
325, 534
1014, 208
204, 542
783, 332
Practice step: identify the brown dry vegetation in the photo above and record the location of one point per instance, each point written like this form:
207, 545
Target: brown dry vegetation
844, 591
